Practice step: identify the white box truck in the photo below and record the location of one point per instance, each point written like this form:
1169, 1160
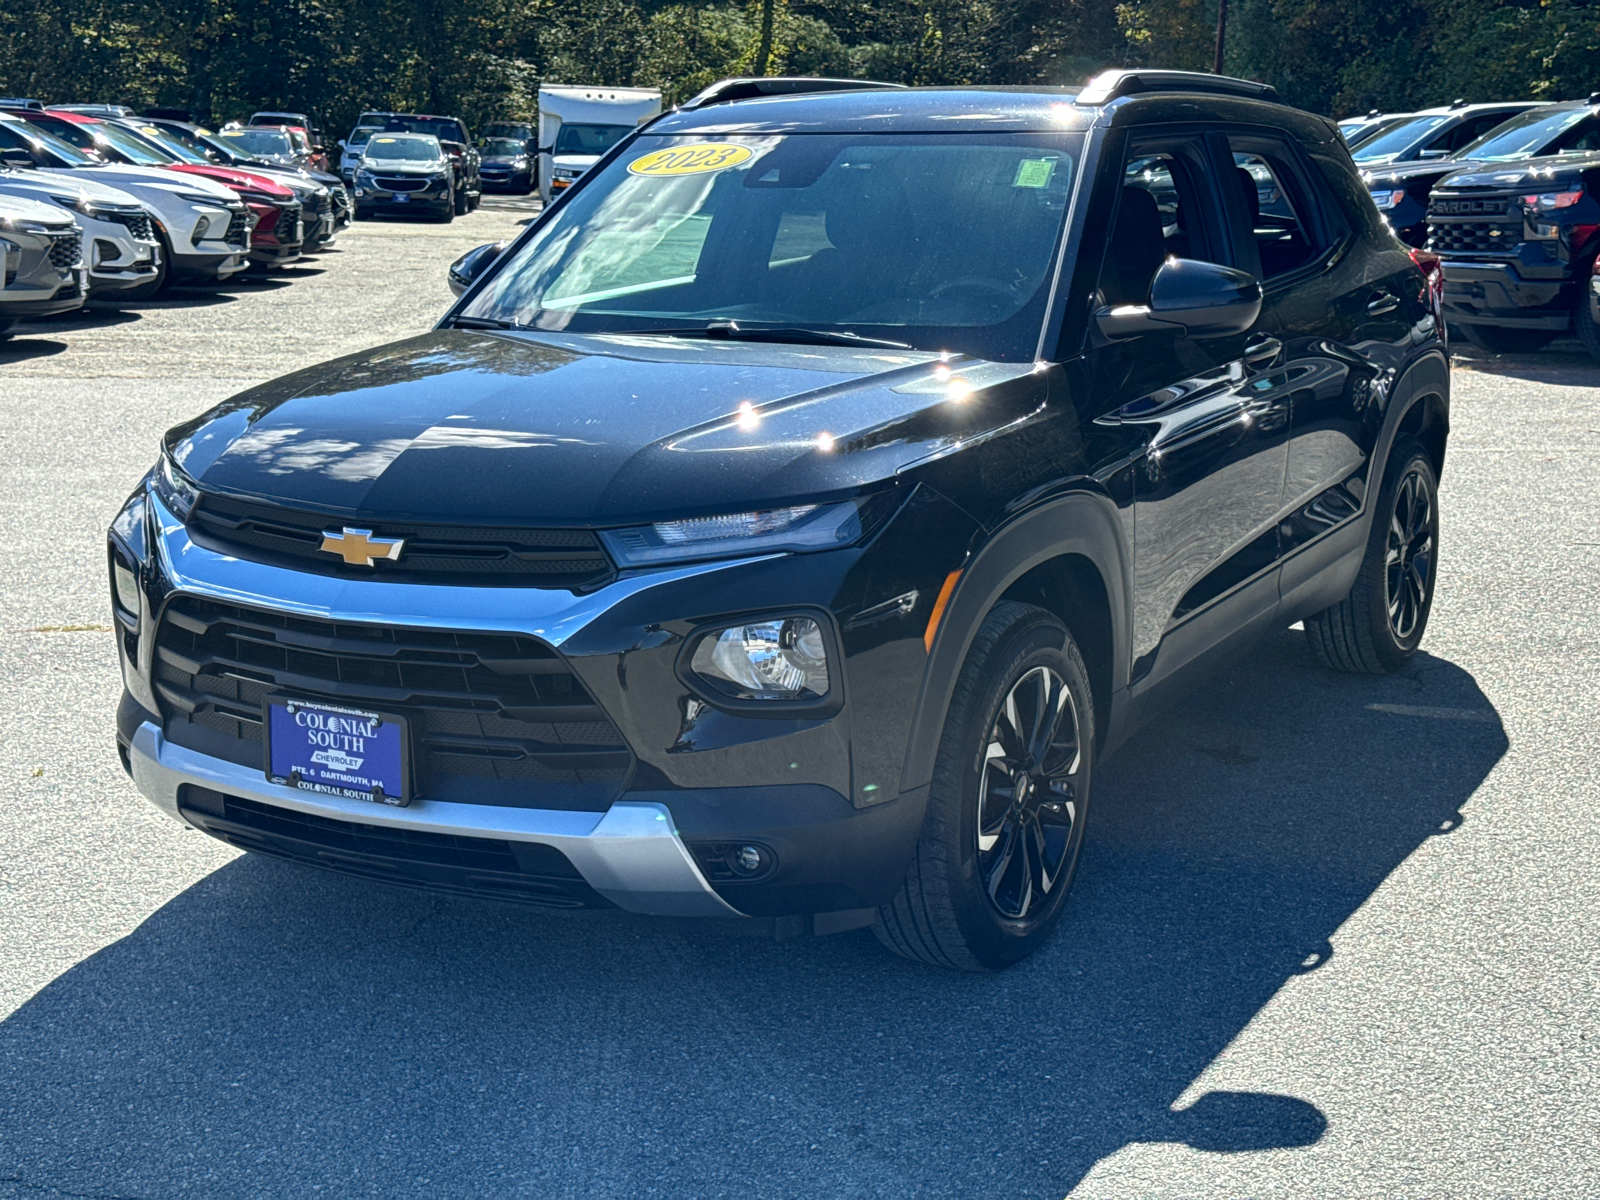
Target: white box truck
579, 124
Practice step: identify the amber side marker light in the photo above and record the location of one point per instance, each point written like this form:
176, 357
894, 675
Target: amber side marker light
938, 609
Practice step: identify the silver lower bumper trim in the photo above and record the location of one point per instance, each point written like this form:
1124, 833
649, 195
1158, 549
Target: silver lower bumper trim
631, 853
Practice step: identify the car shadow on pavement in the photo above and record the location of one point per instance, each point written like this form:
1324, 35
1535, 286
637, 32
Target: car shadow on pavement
25, 344
273, 1028
1563, 362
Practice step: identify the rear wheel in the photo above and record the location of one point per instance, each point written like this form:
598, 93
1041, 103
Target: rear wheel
1379, 625
1507, 341
1588, 329
1006, 809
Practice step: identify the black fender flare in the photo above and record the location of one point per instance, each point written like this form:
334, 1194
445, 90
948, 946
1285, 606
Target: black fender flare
1427, 375
1085, 523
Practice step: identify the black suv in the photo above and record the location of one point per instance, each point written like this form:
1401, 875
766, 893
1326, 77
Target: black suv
1516, 230
787, 525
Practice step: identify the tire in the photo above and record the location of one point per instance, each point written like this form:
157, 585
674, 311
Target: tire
1588, 330
1507, 341
460, 202
5, 327
474, 199
1377, 627
448, 213
968, 900
151, 288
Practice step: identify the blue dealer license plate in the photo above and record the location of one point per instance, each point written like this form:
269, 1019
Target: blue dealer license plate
337, 751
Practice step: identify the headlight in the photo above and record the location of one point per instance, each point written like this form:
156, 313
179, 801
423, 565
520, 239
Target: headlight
1389, 198
1552, 200
800, 528
781, 659
201, 198
173, 487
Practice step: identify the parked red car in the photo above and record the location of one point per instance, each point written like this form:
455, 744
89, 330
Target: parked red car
279, 228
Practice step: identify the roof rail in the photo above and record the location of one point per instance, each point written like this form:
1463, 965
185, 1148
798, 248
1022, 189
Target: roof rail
1111, 85
725, 91
29, 105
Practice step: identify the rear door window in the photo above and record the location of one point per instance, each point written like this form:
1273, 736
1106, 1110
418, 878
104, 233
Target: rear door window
1289, 227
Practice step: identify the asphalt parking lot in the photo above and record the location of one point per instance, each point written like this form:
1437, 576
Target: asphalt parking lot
1332, 936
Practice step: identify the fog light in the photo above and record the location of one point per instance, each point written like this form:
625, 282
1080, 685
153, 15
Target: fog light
782, 659
747, 860
201, 228
127, 588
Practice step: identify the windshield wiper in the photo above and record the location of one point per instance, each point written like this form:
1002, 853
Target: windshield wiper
733, 331
484, 323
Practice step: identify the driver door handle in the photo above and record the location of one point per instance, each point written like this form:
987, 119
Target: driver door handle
1262, 351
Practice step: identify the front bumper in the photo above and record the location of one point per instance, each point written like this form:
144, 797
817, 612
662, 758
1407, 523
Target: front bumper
631, 854
822, 792
66, 292
1497, 293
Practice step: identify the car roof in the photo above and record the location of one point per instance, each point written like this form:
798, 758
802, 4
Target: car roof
1466, 110
999, 110
1027, 109
75, 118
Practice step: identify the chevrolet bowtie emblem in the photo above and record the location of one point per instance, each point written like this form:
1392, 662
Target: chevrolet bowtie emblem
359, 548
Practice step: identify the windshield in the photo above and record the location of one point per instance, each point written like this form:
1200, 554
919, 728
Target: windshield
1537, 131
358, 138
589, 139
258, 143
501, 147
172, 146
19, 135
403, 148
1399, 139
133, 147
942, 241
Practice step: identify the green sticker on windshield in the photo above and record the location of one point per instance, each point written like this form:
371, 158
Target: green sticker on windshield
1034, 172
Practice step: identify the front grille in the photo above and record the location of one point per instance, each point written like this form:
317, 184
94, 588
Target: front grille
553, 558
238, 229
138, 224
400, 183
491, 868
1476, 237
495, 718
66, 249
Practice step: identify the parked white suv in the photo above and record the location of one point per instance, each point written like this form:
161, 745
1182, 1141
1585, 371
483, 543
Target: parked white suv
120, 248
203, 226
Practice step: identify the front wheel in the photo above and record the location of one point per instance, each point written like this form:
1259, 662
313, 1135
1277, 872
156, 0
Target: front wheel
1507, 341
1006, 809
156, 284
459, 201
1380, 623
1588, 329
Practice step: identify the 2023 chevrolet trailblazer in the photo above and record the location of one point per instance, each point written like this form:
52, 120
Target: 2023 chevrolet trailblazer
786, 524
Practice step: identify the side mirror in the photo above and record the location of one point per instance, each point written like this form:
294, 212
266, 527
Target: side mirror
464, 272
1188, 298
17, 159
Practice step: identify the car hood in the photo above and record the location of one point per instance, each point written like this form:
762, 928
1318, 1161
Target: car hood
116, 175
232, 177
21, 208
501, 160
402, 167
64, 187
1401, 174
1527, 172
515, 428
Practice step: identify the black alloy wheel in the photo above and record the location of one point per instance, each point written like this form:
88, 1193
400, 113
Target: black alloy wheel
1408, 558
460, 201
1006, 809
1027, 803
1379, 624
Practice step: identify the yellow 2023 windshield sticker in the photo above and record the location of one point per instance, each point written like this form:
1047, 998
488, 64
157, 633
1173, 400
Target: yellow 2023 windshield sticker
692, 160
